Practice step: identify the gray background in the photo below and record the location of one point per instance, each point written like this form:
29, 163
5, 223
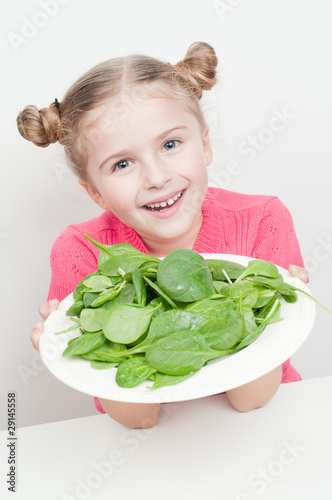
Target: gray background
274, 58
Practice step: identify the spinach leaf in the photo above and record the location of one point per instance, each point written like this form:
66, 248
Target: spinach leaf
249, 319
160, 292
125, 323
107, 295
239, 287
107, 251
92, 320
77, 293
212, 312
270, 312
88, 298
265, 295
283, 288
147, 268
109, 352
118, 265
84, 344
125, 296
80, 287
139, 285
260, 267
181, 353
77, 307
310, 297
163, 308
184, 276
166, 324
250, 297
220, 286
219, 267
104, 297
70, 329
225, 331
133, 371
161, 379
173, 321
211, 307
102, 365
98, 283
272, 317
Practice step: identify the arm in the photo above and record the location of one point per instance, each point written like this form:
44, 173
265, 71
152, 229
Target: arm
256, 393
132, 415
276, 241
259, 392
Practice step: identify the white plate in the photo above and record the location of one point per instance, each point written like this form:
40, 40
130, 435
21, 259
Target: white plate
274, 346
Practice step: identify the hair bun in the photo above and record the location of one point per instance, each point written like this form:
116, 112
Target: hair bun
42, 127
199, 67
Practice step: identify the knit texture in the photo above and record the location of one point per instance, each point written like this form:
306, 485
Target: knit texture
256, 226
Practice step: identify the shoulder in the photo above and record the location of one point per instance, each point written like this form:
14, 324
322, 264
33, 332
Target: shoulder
236, 202
101, 228
256, 206
104, 223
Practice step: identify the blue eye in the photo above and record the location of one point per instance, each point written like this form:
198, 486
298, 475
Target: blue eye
173, 141
121, 165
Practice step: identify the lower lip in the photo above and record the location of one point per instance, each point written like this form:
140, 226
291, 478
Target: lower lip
169, 211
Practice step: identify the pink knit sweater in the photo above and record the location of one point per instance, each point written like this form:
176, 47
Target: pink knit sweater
252, 225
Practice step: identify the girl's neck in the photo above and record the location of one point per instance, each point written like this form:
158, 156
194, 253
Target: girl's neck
161, 248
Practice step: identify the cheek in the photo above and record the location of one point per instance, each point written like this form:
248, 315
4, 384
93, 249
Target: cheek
199, 170
119, 196
192, 165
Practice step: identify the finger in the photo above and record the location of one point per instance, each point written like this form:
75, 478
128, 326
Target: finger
298, 272
46, 308
36, 333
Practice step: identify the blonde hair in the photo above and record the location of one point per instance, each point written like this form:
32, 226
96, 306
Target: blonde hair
63, 121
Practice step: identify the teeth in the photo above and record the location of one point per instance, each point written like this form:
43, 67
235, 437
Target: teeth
164, 204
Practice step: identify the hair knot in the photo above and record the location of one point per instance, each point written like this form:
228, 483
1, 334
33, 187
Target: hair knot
42, 127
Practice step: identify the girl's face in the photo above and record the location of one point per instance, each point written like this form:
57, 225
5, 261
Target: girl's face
147, 164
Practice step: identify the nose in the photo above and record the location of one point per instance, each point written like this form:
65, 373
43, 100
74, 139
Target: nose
156, 173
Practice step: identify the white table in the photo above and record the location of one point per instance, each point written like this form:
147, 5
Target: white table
200, 449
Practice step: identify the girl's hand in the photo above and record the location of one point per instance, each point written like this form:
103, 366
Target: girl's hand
298, 272
45, 310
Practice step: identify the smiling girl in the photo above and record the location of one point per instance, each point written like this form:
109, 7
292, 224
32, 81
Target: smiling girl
134, 133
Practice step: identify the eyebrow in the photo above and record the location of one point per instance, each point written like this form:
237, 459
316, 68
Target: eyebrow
124, 152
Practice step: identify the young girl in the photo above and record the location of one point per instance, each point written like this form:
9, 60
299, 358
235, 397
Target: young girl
135, 135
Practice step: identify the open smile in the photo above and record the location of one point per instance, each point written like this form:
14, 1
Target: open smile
167, 206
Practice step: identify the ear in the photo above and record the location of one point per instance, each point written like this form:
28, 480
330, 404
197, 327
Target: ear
207, 146
93, 193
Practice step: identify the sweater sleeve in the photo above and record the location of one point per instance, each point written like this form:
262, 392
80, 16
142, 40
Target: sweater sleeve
276, 239
71, 260
276, 242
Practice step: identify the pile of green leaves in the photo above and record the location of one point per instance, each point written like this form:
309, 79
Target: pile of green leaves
162, 320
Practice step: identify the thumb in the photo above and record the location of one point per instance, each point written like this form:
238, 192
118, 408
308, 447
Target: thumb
45, 308
36, 333
298, 272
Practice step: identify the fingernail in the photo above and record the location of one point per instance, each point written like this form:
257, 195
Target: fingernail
39, 324
294, 268
53, 302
